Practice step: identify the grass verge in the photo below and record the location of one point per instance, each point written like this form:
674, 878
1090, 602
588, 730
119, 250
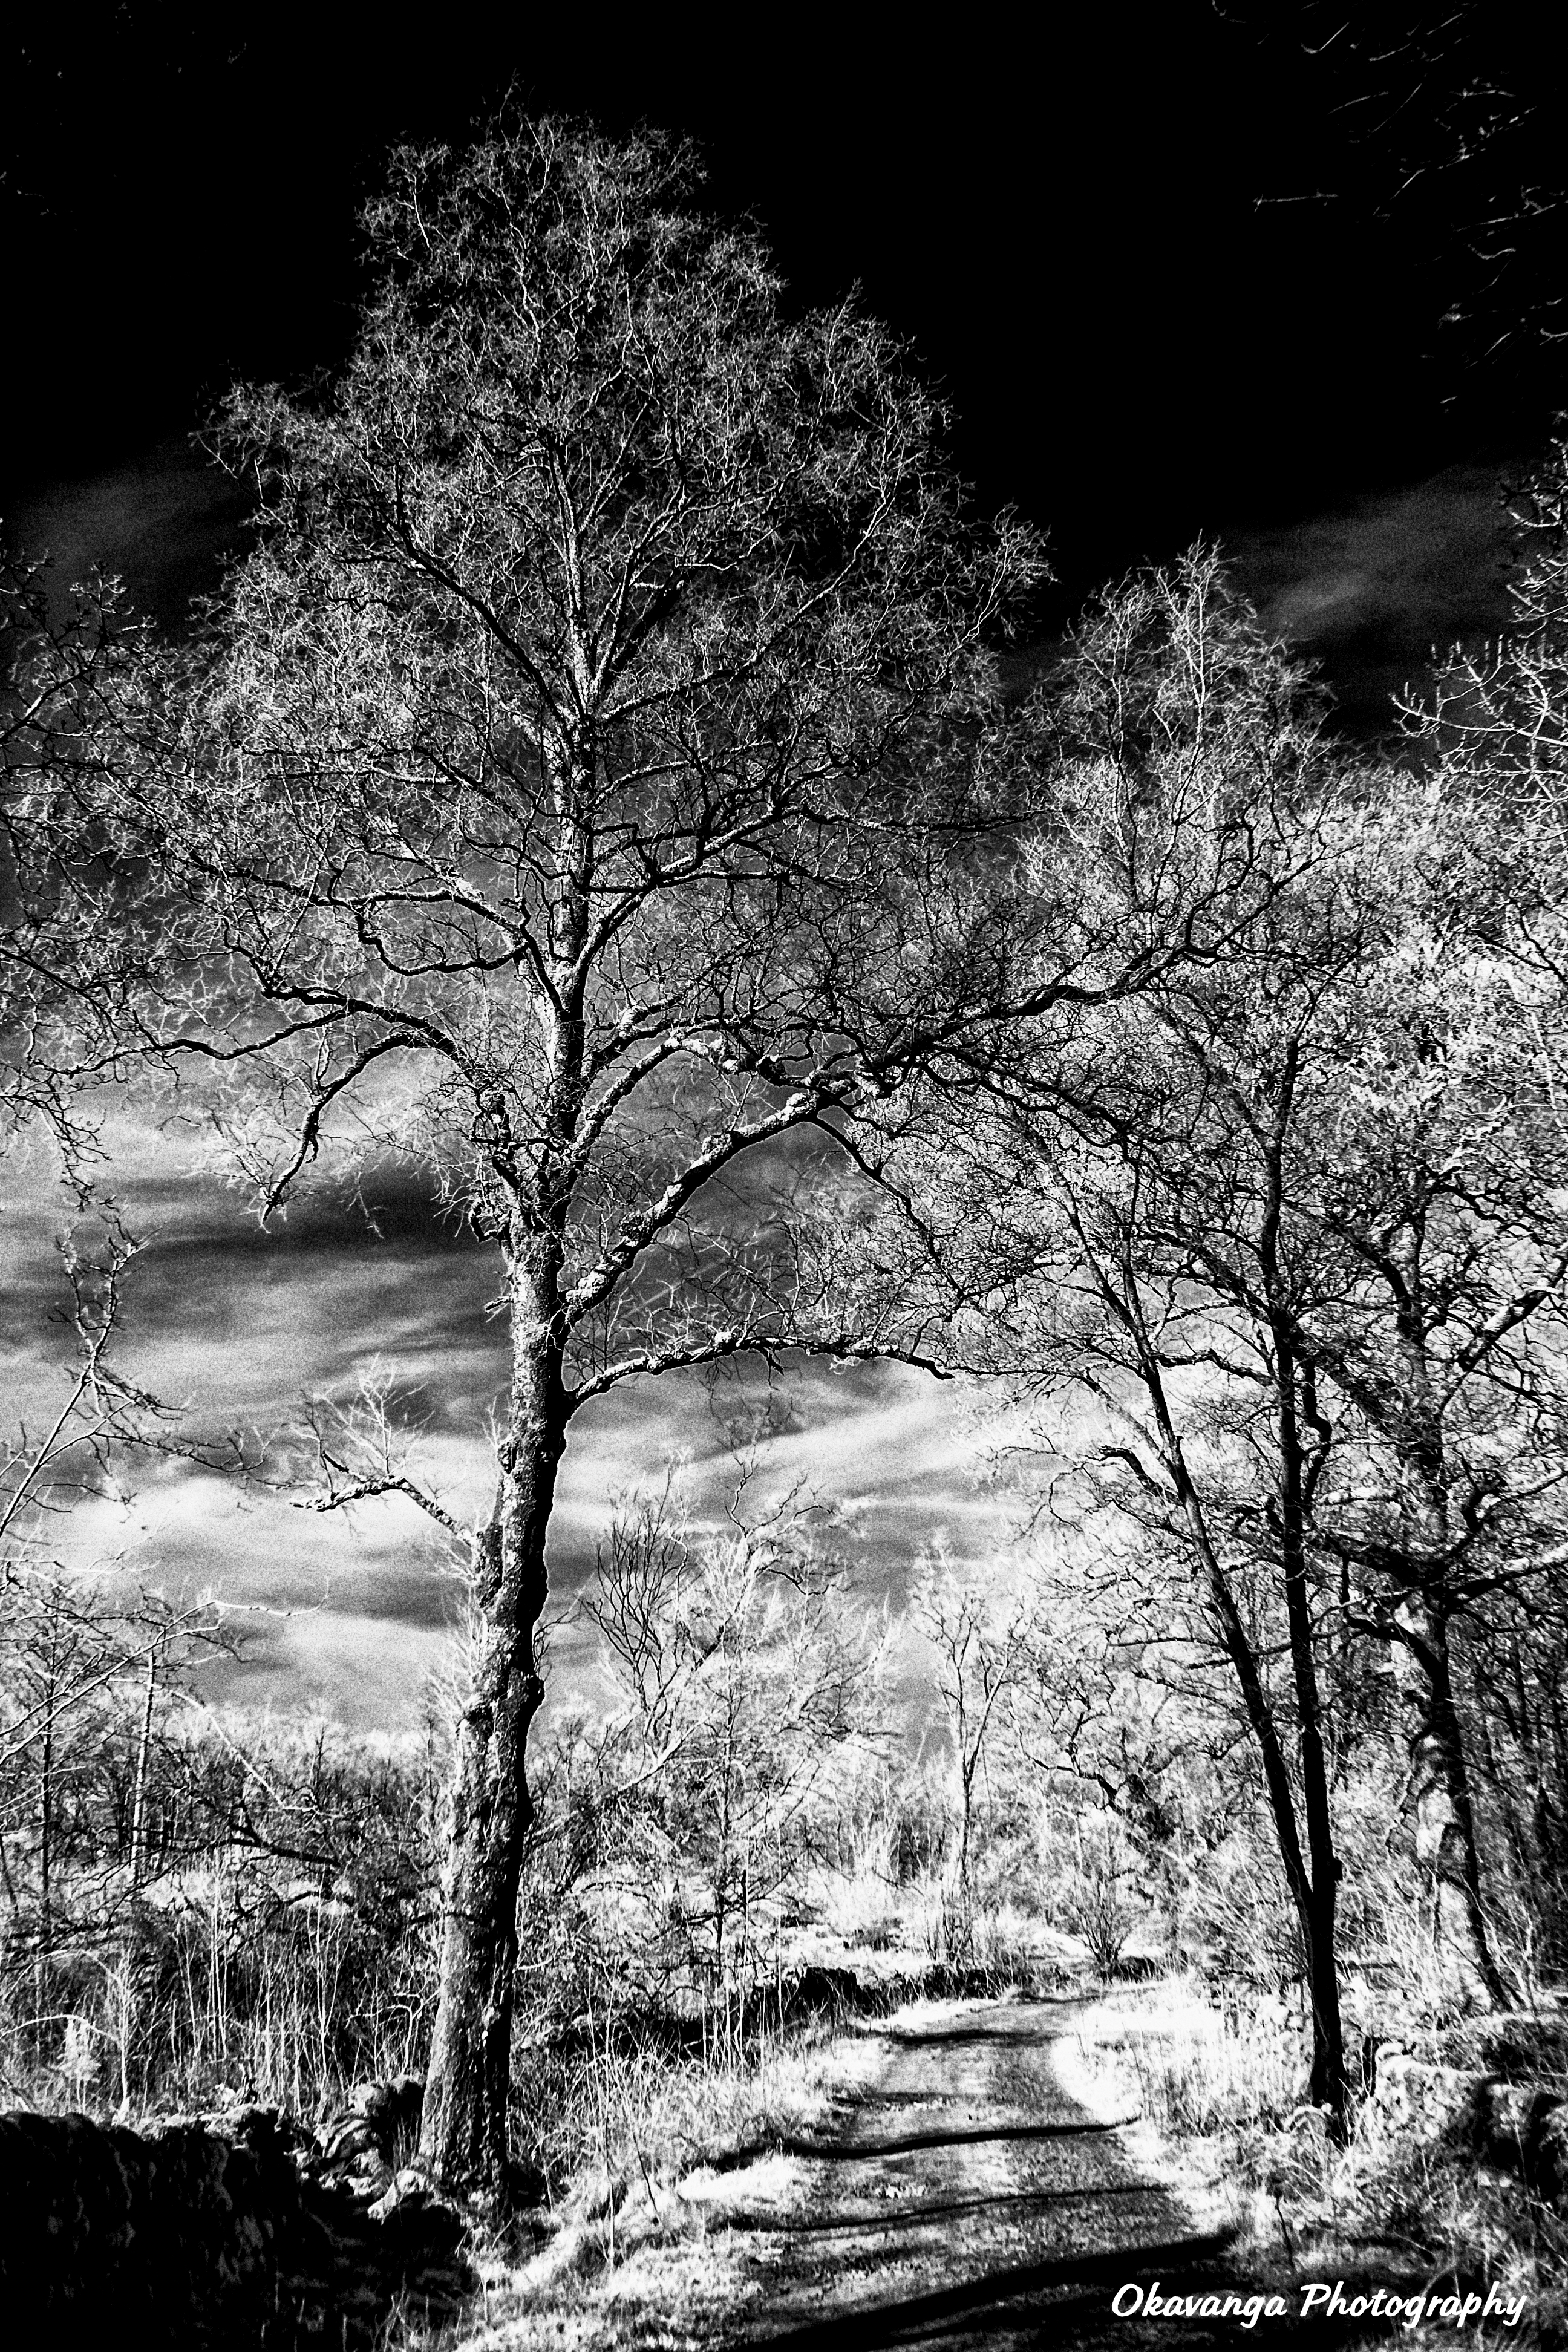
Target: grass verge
1213, 2098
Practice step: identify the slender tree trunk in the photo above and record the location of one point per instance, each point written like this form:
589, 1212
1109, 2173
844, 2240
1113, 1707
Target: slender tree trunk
1443, 1814
144, 1754
1441, 1797
1327, 2086
468, 2085
1311, 1875
721, 1877
464, 2140
46, 1832
1300, 1467
1236, 1643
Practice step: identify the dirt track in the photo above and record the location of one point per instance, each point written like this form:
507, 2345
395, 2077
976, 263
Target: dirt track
964, 2198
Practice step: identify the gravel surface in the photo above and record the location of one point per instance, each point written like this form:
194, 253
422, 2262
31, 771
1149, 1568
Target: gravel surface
962, 2198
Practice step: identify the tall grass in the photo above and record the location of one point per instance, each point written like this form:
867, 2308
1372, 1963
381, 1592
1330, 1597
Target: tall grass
268, 1936
1194, 2065
200, 2003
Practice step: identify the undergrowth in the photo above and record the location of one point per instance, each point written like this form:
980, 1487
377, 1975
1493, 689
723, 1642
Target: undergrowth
1219, 2076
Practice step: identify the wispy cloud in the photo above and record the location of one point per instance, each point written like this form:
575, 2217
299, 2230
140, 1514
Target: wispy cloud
161, 521
1371, 588
234, 1324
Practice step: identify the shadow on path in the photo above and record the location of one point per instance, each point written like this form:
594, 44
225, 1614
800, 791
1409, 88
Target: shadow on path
865, 2151
1005, 2303
909, 2217
1014, 2227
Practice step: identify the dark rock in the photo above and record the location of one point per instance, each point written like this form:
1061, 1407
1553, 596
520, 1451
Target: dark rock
1520, 2127
822, 1991
348, 2139
1521, 2048
379, 2130
360, 2150
206, 2232
175, 2232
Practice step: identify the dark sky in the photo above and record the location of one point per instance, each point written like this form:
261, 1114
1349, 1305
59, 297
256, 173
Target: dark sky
1149, 252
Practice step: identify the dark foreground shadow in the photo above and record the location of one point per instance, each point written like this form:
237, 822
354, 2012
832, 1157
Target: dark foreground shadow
1028, 2302
866, 2151
1064, 2304
1004, 2205
203, 2236
862, 2151
956, 2037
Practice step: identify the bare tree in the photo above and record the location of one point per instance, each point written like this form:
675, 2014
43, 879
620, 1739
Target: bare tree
52, 665
1497, 717
1336, 1134
1242, 1213
978, 1632
1438, 124
76, 1641
558, 800
746, 1679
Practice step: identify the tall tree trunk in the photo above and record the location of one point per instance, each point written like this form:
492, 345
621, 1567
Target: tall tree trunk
1313, 1889
1441, 1797
1311, 1877
45, 1830
1299, 1467
144, 1757
1327, 2086
464, 2138
1439, 1788
468, 2085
